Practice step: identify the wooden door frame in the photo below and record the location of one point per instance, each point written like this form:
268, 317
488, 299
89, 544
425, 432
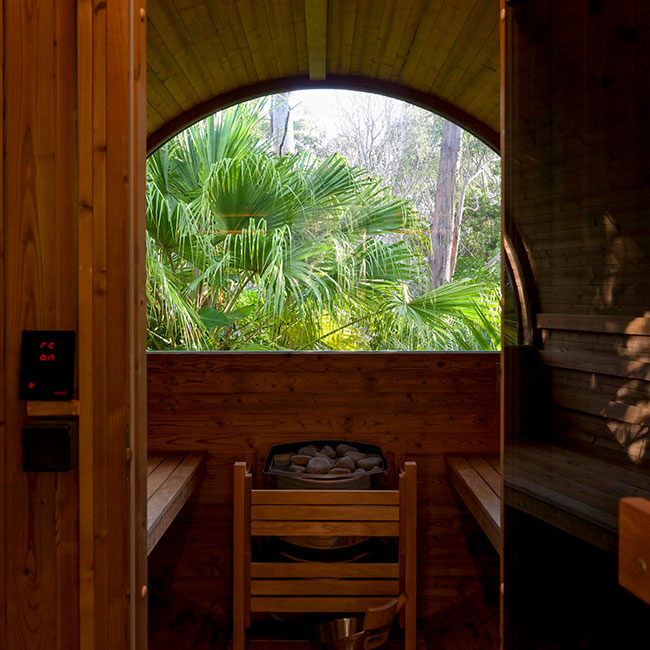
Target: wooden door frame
111, 137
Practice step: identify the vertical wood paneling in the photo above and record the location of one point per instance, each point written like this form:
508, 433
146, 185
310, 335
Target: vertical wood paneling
138, 428
85, 103
3, 435
111, 65
40, 244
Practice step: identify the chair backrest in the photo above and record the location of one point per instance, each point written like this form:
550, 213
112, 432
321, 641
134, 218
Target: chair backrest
325, 513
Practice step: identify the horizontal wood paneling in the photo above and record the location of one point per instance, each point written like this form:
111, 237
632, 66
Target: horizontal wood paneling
236, 405
577, 163
578, 197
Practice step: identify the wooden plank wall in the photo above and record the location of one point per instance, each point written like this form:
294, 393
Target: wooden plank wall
236, 405
112, 489
71, 230
576, 169
580, 200
445, 55
39, 591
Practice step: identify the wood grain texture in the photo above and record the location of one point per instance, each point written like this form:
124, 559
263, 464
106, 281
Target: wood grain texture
343, 497
52, 409
315, 604
574, 490
325, 528
633, 549
574, 162
235, 406
137, 431
110, 57
201, 55
316, 28
3, 466
39, 242
324, 587
323, 570
479, 485
351, 594
577, 199
324, 513
169, 485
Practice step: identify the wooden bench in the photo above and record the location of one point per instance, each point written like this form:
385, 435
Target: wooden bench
477, 480
171, 479
572, 490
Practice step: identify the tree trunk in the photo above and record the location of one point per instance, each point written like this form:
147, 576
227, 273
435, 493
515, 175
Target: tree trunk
442, 227
282, 140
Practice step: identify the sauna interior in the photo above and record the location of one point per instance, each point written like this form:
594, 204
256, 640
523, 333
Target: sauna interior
522, 457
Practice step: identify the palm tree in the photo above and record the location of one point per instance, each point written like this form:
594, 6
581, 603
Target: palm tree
248, 250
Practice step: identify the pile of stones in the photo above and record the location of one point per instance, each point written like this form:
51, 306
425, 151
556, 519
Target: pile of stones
346, 459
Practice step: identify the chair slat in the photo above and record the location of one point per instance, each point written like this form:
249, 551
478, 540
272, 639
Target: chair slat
324, 513
324, 570
325, 528
324, 587
315, 604
326, 497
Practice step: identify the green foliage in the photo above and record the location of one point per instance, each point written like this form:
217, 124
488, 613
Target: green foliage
247, 250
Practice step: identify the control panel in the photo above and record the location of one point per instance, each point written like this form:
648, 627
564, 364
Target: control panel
47, 365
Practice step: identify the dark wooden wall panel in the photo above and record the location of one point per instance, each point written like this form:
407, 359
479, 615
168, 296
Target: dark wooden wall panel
580, 199
236, 405
576, 170
40, 245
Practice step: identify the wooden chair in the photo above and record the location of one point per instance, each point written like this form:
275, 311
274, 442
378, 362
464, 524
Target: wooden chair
323, 586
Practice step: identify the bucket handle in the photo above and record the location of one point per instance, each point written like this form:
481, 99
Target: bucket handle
378, 617
375, 639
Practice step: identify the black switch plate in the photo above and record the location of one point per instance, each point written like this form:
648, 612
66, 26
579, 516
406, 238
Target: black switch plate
50, 446
47, 365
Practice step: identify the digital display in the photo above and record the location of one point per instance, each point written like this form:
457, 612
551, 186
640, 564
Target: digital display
47, 365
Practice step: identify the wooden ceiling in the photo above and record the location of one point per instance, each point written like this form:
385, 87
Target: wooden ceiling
203, 55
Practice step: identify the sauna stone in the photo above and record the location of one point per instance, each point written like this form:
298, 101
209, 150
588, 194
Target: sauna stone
369, 463
345, 462
298, 469
300, 459
340, 470
319, 466
328, 451
359, 471
356, 456
343, 448
308, 451
320, 454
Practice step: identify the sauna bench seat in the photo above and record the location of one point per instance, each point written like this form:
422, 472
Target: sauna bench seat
571, 490
478, 483
171, 479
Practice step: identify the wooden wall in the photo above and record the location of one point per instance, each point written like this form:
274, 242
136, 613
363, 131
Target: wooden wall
576, 170
40, 524
71, 243
417, 406
580, 164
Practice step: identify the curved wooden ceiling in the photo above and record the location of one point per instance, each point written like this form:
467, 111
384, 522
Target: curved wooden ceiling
203, 55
